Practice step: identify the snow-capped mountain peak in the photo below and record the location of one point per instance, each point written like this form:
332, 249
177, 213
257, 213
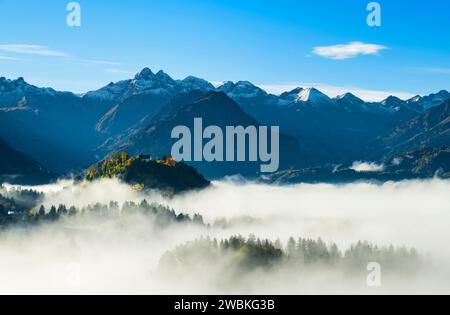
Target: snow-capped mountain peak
391, 101
112, 92
393, 104
415, 99
7, 85
434, 100
312, 95
244, 92
147, 81
193, 83
300, 95
349, 97
162, 76
16, 89
241, 89
291, 96
145, 74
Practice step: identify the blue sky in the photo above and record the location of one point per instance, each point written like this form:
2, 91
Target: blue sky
270, 43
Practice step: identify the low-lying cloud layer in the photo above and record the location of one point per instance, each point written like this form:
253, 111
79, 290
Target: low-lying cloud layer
367, 167
122, 256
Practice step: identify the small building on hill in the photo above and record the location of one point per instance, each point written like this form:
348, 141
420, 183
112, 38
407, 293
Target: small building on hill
144, 157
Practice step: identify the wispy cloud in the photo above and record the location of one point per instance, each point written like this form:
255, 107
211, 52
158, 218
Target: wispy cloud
116, 71
102, 62
11, 58
438, 70
333, 91
37, 50
346, 51
41, 50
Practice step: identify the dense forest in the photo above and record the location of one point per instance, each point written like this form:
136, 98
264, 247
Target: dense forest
20, 207
15, 204
253, 253
162, 215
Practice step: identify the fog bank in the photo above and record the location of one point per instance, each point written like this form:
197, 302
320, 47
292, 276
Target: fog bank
123, 255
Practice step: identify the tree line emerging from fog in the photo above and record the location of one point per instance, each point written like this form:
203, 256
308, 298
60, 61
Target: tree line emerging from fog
254, 253
21, 207
15, 204
162, 215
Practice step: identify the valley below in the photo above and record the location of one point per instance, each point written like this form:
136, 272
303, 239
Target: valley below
224, 155
234, 237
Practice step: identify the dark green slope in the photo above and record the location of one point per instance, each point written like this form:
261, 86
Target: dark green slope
430, 130
145, 173
19, 168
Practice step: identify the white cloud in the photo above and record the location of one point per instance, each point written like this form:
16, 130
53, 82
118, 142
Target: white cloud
346, 51
333, 91
37, 50
367, 167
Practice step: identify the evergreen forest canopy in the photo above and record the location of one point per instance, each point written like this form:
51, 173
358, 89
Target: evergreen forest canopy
245, 255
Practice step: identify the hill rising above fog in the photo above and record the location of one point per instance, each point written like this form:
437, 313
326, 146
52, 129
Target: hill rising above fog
142, 172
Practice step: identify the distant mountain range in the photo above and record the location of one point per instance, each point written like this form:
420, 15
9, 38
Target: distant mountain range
65, 132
